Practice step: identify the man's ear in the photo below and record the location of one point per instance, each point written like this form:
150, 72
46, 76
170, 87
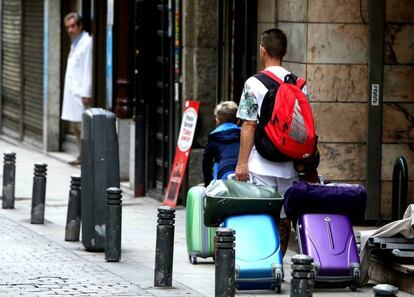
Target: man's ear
262, 51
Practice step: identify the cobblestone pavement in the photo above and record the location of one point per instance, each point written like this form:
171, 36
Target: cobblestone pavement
34, 266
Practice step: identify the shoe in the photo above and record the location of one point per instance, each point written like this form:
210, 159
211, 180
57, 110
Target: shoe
75, 162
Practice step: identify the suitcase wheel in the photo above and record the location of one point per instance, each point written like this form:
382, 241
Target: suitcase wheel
278, 273
353, 287
277, 288
193, 259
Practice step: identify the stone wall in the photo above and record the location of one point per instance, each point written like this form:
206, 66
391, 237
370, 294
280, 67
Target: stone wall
200, 62
398, 107
199, 76
328, 45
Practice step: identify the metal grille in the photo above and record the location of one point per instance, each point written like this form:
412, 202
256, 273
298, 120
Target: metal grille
11, 74
33, 69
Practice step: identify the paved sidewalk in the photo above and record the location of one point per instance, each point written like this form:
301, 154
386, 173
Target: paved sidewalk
36, 261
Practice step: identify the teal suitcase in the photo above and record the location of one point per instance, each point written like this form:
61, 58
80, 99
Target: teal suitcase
200, 239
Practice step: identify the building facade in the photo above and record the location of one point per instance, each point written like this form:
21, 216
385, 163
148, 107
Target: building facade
150, 56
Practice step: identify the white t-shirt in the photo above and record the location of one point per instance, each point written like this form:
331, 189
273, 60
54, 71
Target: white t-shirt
249, 109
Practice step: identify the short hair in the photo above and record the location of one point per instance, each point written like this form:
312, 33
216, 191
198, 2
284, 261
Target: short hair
226, 111
75, 16
274, 41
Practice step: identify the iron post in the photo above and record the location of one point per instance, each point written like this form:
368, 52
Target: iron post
73, 219
164, 247
225, 262
39, 193
113, 224
9, 179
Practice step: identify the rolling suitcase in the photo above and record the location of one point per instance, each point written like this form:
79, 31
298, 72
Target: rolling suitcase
330, 241
200, 239
99, 171
259, 260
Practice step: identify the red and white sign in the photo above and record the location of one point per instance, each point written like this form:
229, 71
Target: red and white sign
182, 152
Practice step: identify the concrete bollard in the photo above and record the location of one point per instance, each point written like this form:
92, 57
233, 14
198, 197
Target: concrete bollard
164, 250
73, 218
38, 195
225, 262
382, 290
303, 275
113, 225
9, 180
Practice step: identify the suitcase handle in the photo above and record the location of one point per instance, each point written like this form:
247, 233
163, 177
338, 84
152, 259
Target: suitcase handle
233, 177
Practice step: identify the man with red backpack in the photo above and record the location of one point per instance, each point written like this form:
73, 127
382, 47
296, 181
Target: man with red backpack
261, 159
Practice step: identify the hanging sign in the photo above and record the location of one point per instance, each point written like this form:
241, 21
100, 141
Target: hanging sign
182, 151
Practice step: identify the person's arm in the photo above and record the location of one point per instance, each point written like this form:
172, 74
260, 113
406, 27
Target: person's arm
246, 145
86, 88
248, 113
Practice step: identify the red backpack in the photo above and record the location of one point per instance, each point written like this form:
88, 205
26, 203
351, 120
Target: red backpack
286, 130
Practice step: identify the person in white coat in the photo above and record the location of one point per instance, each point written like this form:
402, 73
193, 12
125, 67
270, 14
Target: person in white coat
78, 78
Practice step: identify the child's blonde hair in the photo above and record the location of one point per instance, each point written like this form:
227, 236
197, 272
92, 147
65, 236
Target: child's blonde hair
226, 111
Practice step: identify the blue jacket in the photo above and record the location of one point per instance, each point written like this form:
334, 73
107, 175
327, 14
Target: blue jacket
222, 148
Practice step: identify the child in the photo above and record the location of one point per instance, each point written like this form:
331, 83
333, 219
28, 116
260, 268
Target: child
223, 143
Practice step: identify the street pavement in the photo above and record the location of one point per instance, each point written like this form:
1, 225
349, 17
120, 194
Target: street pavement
36, 261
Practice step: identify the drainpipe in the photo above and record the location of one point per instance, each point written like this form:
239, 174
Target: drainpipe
375, 91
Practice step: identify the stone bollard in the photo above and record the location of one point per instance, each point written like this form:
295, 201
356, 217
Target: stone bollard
113, 225
9, 179
164, 247
73, 219
225, 262
382, 290
303, 275
38, 195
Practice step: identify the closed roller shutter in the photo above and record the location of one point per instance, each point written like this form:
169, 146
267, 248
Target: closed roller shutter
11, 75
33, 70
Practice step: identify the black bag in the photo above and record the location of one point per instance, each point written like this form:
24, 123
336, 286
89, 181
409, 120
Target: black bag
229, 197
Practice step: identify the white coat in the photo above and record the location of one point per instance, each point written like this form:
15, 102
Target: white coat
78, 79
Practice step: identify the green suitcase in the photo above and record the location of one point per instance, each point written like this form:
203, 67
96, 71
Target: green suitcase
200, 239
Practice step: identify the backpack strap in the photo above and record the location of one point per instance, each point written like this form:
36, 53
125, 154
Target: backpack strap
272, 76
295, 80
300, 83
291, 78
268, 82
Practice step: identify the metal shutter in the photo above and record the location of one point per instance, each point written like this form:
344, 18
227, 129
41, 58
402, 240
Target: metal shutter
11, 77
33, 69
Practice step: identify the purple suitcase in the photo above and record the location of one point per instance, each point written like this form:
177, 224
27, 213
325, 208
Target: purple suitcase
330, 241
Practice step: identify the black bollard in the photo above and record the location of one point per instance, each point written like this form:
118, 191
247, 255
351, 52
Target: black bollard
383, 290
303, 275
225, 262
73, 219
113, 225
164, 250
9, 179
38, 195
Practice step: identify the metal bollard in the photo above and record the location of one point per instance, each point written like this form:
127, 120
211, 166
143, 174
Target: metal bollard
164, 250
303, 275
381, 290
73, 219
225, 262
113, 225
38, 195
9, 179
